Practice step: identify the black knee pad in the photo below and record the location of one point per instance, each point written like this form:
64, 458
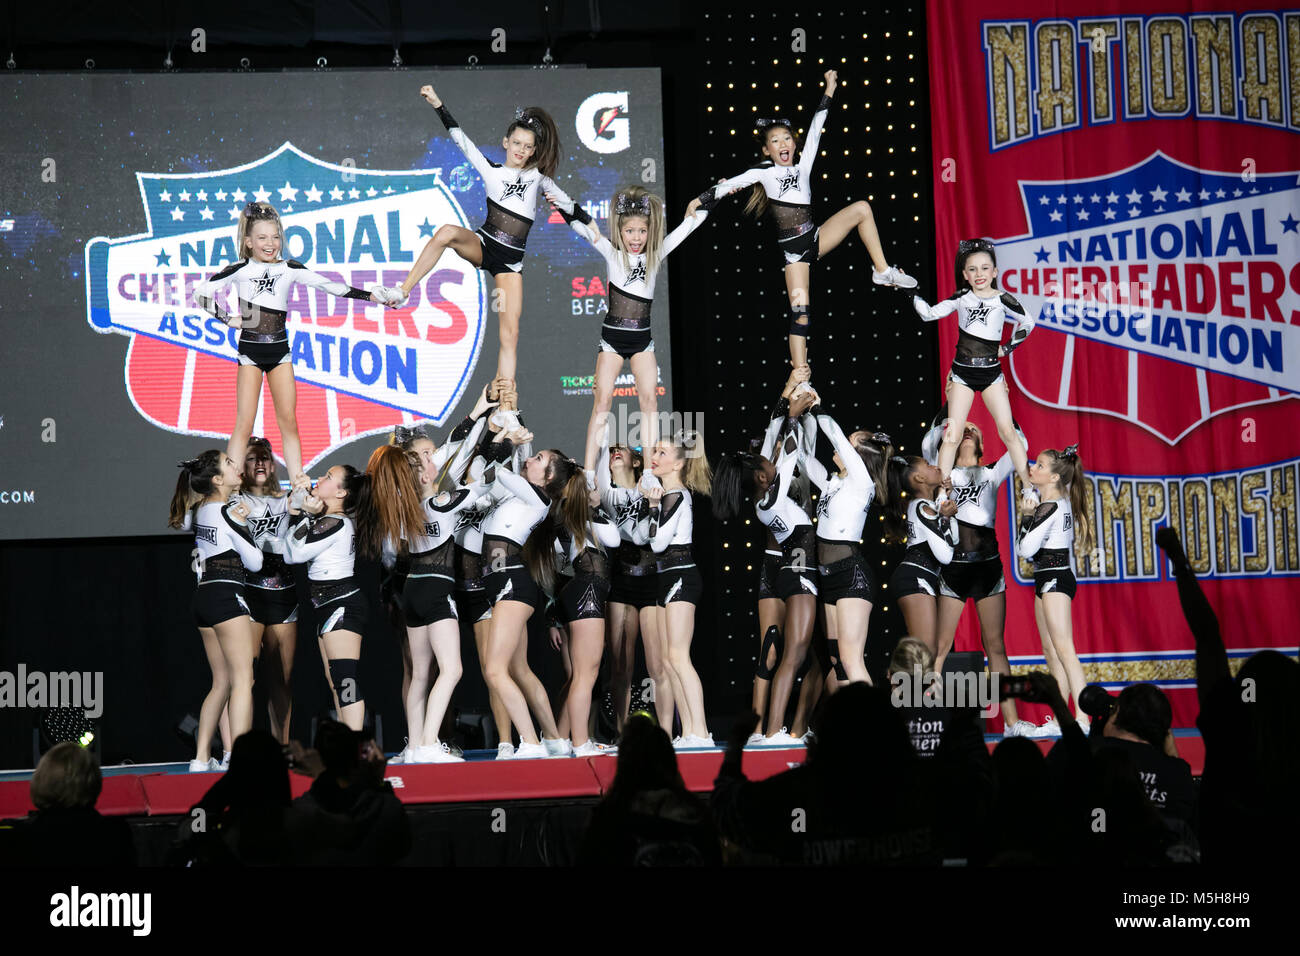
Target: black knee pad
834, 651
798, 312
343, 675
772, 638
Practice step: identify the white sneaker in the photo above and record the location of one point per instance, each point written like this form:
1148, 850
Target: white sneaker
1021, 728
225, 760
782, 739
808, 737
593, 749
435, 753
557, 747
755, 740
205, 766
680, 743
705, 742
893, 276
505, 750
506, 419
391, 296
530, 752
1049, 729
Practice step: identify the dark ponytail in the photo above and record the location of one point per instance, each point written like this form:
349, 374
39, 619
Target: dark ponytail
193, 484
898, 495
734, 484
875, 452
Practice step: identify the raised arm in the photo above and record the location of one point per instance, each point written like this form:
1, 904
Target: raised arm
853, 463
1024, 323
684, 228
520, 487
715, 194
812, 141
784, 475
463, 142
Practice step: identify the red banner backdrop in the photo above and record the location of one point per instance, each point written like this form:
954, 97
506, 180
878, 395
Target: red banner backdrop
1136, 165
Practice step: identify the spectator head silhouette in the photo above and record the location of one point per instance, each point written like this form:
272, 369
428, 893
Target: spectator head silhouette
646, 759
67, 778
1143, 710
339, 747
259, 772
859, 727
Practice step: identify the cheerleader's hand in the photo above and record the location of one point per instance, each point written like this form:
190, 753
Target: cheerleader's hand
948, 509
654, 494
313, 505
239, 511
557, 637
520, 436
430, 97
693, 207
831, 77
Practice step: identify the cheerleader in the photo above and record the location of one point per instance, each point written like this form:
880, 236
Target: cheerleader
584, 538
515, 581
975, 572
432, 625
633, 253
680, 466
981, 310
1047, 534
271, 592
844, 576
323, 535
532, 153
224, 553
912, 516
784, 188
263, 282
767, 484
632, 607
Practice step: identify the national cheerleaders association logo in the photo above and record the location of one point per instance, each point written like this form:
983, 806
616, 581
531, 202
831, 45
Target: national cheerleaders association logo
360, 368
1152, 267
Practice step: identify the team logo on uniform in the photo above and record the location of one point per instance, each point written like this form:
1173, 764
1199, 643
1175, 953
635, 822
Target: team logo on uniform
265, 525
602, 122
516, 188
636, 273
205, 533
980, 314
964, 494
788, 182
1173, 281
265, 283
360, 368
778, 526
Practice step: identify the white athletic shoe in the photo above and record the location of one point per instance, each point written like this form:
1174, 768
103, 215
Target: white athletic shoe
205, 766
557, 747
1021, 728
755, 740
505, 750
808, 737
705, 742
506, 419
679, 743
530, 752
782, 739
1049, 729
436, 753
893, 276
593, 749
225, 761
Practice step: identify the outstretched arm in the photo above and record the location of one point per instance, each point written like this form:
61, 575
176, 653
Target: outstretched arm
930, 313
1211, 656
300, 273
463, 142
853, 463
684, 228
812, 141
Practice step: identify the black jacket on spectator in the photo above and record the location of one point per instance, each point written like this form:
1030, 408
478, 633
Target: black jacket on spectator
354, 825
73, 837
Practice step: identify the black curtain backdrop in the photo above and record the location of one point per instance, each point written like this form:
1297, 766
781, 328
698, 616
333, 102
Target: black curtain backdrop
122, 606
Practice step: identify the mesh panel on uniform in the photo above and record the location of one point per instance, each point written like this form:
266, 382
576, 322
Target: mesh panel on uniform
975, 539
592, 563
973, 347
791, 221
828, 552
441, 560
505, 227
635, 560
627, 311
225, 566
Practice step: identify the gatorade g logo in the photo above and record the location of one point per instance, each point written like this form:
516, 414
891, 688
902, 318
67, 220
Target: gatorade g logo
1175, 288
603, 124
360, 368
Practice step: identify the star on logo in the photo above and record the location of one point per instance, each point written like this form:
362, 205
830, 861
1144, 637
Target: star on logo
1043, 200
166, 260
1158, 195
1094, 198
1042, 255
514, 189
980, 314
177, 214
788, 182
265, 525
1083, 215
1290, 223
1183, 195
288, 193
313, 194
354, 193
239, 195
262, 194
184, 195
636, 274
1134, 197
336, 194
220, 195
1055, 215
1204, 194
1108, 214
165, 196
264, 283
205, 213
1111, 198
201, 195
